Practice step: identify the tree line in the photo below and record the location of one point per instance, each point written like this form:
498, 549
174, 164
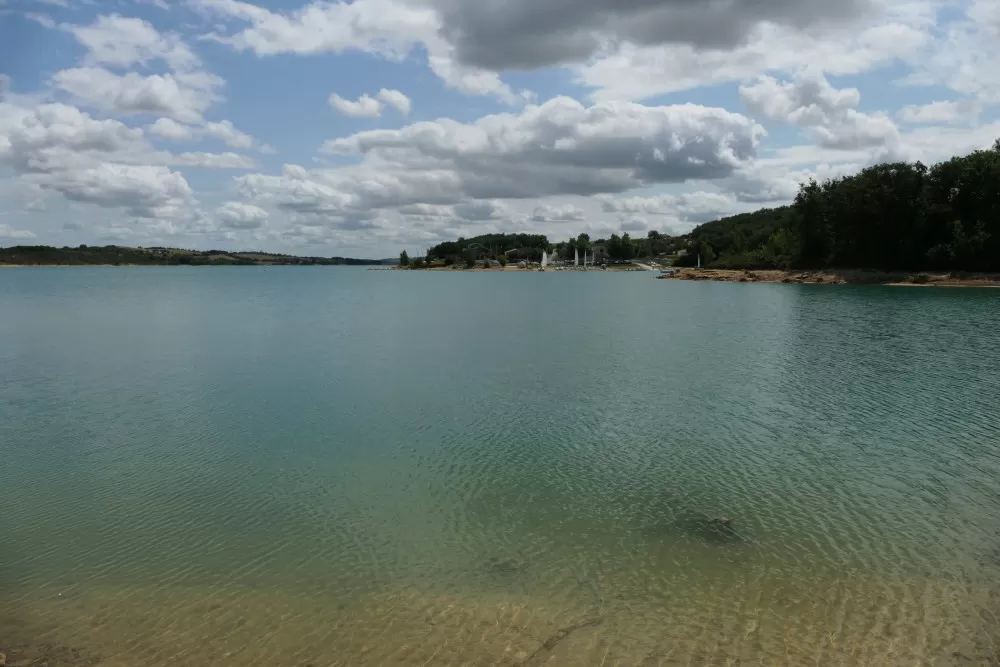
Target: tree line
83, 255
892, 216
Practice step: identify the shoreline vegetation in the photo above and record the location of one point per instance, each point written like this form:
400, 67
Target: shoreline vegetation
113, 255
796, 277
895, 223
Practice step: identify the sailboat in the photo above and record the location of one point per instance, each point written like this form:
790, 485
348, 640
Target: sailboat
576, 257
545, 260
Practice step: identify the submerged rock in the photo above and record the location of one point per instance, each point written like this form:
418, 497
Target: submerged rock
708, 528
498, 565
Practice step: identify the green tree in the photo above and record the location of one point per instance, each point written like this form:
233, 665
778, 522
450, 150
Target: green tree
404, 258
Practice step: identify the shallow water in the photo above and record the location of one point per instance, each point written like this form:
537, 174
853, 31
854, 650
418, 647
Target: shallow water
329, 466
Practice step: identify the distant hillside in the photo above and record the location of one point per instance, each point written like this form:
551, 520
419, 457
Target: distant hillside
123, 255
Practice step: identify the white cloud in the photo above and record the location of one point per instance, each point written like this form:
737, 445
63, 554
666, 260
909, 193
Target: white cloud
51, 135
214, 161
958, 111
698, 206
8, 232
828, 114
396, 100
144, 191
388, 28
237, 215
167, 128
638, 72
552, 213
964, 57
364, 107
117, 41
182, 96
43, 20
225, 132
562, 147
426, 211
59, 149
440, 177
468, 43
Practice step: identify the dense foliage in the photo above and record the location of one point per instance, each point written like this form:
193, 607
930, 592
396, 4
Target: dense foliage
894, 216
492, 246
117, 255
739, 241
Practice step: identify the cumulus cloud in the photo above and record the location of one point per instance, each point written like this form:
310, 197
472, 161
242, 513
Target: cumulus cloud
116, 41
526, 34
181, 96
562, 147
59, 149
168, 128
363, 107
552, 213
370, 107
388, 28
636, 72
237, 215
225, 132
467, 43
396, 100
444, 173
427, 210
8, 232
143, 191
214, 160
964, 56
957, 111
698, 206
828, 114
52, 135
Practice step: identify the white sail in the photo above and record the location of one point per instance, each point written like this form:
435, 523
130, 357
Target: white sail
545, 259
576, 257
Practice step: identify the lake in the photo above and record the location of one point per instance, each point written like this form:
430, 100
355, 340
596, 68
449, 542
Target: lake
332, 466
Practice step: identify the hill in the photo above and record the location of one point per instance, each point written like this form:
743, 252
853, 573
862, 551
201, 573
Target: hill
113, 255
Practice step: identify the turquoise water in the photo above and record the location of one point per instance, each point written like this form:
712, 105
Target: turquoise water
291, 466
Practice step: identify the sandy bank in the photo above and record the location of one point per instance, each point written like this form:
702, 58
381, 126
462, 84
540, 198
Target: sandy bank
842, 277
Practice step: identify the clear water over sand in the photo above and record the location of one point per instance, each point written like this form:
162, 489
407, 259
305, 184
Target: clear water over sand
335, 466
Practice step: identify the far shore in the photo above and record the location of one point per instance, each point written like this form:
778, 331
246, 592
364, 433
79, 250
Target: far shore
817, 277
841, 277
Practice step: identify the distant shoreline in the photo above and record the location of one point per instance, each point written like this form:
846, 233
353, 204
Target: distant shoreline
170, 266
841, 277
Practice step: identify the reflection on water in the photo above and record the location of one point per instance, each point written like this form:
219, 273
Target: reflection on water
312, 468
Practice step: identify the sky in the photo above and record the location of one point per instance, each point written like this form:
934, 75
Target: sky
368, 127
